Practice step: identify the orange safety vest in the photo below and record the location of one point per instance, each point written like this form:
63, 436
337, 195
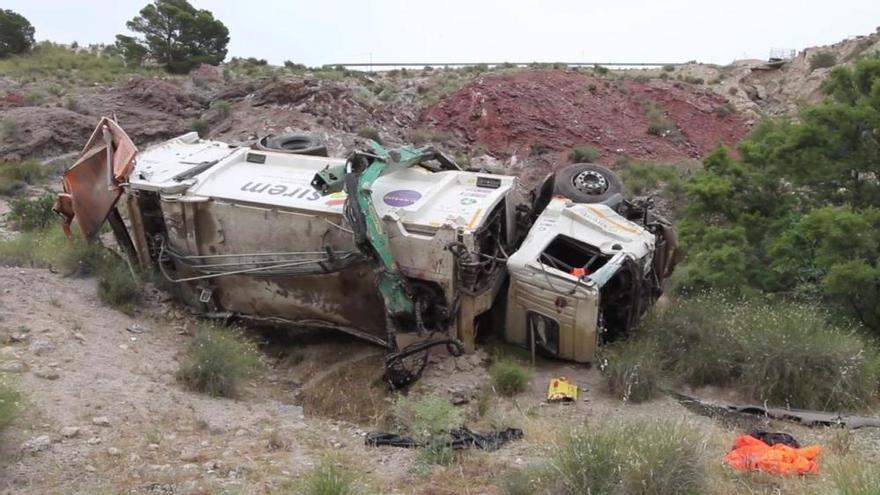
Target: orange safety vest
750, 453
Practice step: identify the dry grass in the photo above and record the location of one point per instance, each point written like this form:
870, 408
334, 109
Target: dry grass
353, 393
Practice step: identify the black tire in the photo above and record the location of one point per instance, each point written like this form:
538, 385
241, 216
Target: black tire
300, 144
589, 183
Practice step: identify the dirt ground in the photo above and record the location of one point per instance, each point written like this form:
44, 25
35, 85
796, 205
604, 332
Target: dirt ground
105, 413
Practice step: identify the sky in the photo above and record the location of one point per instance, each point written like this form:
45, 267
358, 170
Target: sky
318, 32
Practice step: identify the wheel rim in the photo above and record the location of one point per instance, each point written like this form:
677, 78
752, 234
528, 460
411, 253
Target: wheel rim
590, 182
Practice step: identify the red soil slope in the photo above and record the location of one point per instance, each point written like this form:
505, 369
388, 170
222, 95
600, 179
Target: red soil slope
557, 110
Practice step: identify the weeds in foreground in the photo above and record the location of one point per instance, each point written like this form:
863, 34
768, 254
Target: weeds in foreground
10, 403
653, 457
855, 477
217, 362
331, 477
509, 377
787, 354
14, 176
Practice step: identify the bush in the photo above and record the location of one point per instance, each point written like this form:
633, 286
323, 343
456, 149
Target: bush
600, 70
73, 103
509, 377
14, 175
10, 403
668, 68
330, 477
217, 362
200, 126
427, 420
659, 123
822, 60
642, 177
222, 108
28, 215
583, 154
637, 458
370, 133
786, 354
116, 285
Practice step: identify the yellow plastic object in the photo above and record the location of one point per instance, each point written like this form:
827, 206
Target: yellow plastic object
561, 389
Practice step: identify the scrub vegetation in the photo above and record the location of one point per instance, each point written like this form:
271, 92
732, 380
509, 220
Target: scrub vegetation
428, 419
10, 402
218, 362
786, 354
15, 176
653, 457
510, 377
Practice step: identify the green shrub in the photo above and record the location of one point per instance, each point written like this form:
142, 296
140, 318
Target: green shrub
643, 177
509, 377
659, 123
223, 109
786, 354
331, 477
73, 103
583, 154
14, 175
693, 80
217, 362
10, 403
116, 284
370, 133
668, 68
428, 419
598, 69
200, 126
732, 91
632, 458
28, 215
822, 60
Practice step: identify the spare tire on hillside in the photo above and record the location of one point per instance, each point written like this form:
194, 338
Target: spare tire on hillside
589, 183
296, 143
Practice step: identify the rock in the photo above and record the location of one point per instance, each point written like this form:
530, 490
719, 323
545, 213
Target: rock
93, 441
100, 421
90, 468
153, 446
70, 431
19, 338
78, 336
46, 374
291, 410
41, 347
37, 444
114, 452
138, 328
463, 364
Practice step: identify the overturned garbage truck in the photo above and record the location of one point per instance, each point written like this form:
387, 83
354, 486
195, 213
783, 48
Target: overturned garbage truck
400, 247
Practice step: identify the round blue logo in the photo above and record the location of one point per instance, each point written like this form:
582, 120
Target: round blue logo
402, 197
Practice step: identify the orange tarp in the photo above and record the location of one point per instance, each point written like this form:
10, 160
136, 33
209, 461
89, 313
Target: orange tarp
750, 453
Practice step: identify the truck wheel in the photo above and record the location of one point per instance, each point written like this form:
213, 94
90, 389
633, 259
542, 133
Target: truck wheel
300, 144
589, 183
